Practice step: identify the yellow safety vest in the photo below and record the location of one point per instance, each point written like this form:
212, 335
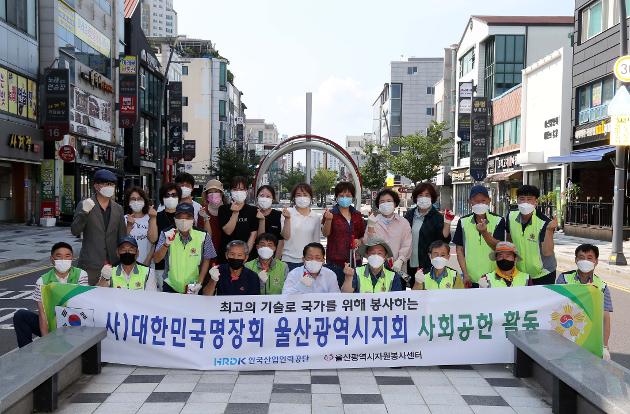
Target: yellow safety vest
137, 278
383, 284
448, 281
520, 279
184, 260
527, 243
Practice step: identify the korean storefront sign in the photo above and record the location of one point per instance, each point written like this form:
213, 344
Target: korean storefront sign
128, 91
18, 95
464, 108
189, 148
479, 138
57, 107
175, 121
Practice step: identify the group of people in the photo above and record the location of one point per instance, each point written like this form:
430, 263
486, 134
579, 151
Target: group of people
225, 246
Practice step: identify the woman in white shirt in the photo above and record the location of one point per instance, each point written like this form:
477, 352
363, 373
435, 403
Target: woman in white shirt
303, 226
139, 212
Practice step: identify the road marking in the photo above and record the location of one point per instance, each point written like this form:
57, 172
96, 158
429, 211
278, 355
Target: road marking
17, 294
26, 272
8, 316
618, 287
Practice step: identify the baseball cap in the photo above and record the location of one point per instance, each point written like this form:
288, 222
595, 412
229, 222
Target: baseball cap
375, 241
478, 189
214, 184
128, 239
105, 176
504, 246
185, 208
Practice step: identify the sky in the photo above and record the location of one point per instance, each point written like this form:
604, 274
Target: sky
338, 49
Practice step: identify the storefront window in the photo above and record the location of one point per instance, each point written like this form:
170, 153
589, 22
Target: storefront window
594, 98
506, 133
461, 205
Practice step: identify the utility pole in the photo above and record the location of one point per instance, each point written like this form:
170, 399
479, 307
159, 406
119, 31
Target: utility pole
616, 256
309, 114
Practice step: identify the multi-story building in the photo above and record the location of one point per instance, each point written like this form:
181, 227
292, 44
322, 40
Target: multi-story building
260, 132
355, 145
159, 19
492, 53
22, 148
405, 105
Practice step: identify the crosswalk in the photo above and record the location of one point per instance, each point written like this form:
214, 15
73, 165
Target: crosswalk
6, 314
13, 294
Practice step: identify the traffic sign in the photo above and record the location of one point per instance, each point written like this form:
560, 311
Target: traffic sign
67, 153
622, 68
374, 195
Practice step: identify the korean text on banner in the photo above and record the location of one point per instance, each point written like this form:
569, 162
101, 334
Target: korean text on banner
318, 331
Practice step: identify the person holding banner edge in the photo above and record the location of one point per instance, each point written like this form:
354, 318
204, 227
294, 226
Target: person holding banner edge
373, 277
312, 277
233, 278
129, 274
271, 271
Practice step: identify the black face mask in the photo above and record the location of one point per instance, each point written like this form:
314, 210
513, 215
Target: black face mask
127, 258
235, 264
505, 265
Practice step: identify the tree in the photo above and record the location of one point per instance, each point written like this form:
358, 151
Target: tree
420, 155
322, 182
230, 163
290, 179
374, 172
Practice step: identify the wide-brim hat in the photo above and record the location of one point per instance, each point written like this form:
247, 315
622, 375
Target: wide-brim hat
375, 241
504, 247
214, 185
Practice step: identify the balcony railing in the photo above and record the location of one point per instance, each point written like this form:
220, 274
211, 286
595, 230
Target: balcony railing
594, 214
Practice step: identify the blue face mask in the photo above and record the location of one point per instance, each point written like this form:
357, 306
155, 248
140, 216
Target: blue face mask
344, 201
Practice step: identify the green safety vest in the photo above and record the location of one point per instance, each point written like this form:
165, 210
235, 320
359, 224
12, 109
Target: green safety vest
184, 260
51, 276
276, 273
520, 279
383, 284
572, 278
477, 251
447, 281
527, 243
137, 279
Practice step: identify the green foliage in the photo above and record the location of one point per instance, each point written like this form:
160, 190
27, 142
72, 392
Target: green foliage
374, 172
322, 182
290, 179
230, 163
420, 155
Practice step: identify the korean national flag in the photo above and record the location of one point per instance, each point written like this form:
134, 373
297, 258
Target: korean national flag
66, 316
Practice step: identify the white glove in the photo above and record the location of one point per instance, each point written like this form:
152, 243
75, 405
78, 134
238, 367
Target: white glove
87, 205
106, 272
169, 236
371, 221
214, 273
606, 354
263, 275
483, 282
420, 276
307, 281
398, 265
194, 289
203, 213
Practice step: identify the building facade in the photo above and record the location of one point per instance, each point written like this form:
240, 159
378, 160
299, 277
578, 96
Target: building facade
159, 19
355, 145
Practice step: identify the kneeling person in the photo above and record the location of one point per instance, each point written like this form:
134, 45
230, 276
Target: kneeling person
129, 274
506, 274
440, 276
312, 277
372, 277
233, 278
27, 323
271, 271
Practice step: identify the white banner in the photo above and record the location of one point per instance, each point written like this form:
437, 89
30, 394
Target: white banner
413, 328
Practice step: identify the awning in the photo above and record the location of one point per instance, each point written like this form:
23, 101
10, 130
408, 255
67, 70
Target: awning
585, 155
502, 176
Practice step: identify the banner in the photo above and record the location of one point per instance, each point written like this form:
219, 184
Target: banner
324, 331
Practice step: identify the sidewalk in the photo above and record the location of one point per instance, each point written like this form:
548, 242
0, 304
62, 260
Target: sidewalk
452, 390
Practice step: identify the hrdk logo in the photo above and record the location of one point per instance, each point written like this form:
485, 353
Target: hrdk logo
74, 316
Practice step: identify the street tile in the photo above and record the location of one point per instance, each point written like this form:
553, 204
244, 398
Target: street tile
117, 369
326, 400
408, 398
484, 409
359, 388
204, 408
205, 397
443, 399
282, 408
398, 389
487, 400
118, 408
325, 389
136, 387
175, 387
469, 381
437, 389
364, 409
327, 409
89, 398
92, 388
291, 388
407, 409
517, 392
526, 402
239, 408
388, 380
250, 397
181, 378
390, 372
150, 371
168, 397
475, 390
108, 379
298, 398
214, 388
449, 409
217, 379
296, 379
77, 408
245, 388
128, 397
161, 408
324, 379
505, 382
533, 410
135, 379
262, 372
456, 367
254, 379
361, 399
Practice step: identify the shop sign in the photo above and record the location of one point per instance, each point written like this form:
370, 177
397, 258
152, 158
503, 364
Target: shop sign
128, 91
90, 35
23, 142
67, 199
67, 153
460, 175
503, 163
551, 128
57, 104
47, 173
479, 139
18, 95
464, 107
97, 81
620, 130
150, 60
592, 133
91, 116
189, 149
175, 120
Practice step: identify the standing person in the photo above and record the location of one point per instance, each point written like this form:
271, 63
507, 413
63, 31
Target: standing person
101, 227
586, 258
271, 271
233, 278
186, 183
214, 198
238, 220
187, 253
269, 220
170, 194
476, 236
391, 227
311, 277
129, 274
302, 226
344, 227
427, 225
27, 323
373, 277
506, 256
532, 233
440, 276
139, 214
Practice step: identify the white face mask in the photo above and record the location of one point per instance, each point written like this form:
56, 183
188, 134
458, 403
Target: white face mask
423, 202
239, 196
302, 202
313, 266
136, 206
62, 266
183, 224
308, 281
480, 208
386, 208
265, 252
585, 266
439, 262
107, 191
526, 208
186, 192
264, 202
171, 202
375, 261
